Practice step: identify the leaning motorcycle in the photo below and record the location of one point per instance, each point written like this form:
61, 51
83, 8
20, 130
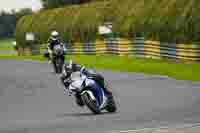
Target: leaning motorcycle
58, 58
95, 99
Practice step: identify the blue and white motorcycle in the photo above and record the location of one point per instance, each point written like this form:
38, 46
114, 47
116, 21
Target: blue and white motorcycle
91, 94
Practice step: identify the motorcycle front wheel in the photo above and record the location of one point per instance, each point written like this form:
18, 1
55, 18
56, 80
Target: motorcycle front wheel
58, 64
91, 104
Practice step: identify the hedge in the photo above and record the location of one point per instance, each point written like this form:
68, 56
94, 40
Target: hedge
166, 20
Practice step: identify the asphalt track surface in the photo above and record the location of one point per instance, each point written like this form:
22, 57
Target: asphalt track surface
32, 101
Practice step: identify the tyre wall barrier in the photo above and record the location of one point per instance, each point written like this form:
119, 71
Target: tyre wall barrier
137, 47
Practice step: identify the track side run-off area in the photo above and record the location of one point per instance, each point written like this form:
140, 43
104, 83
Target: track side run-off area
32, 100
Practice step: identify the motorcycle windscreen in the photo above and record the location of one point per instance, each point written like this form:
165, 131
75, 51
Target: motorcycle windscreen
77, 81
58, 49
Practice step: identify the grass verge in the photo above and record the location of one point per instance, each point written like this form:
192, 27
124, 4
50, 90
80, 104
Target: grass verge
6, 44
180, 71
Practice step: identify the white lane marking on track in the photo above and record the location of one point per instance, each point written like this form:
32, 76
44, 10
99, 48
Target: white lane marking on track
153, 129
138, 130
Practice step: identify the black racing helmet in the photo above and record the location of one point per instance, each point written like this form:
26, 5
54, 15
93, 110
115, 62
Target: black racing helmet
69, 67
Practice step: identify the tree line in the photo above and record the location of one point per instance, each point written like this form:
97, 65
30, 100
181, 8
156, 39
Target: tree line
59, 3
176, 22
8, 21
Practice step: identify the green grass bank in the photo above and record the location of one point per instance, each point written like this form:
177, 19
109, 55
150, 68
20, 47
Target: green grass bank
6, 44
182, 71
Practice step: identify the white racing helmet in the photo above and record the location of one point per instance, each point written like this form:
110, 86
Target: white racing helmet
54, 34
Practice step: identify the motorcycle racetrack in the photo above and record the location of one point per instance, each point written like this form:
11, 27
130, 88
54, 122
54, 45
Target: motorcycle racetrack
32, 100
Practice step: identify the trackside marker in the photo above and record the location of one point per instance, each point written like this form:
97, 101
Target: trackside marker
159, 128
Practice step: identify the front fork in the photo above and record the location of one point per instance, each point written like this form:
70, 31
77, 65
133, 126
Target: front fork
89, 93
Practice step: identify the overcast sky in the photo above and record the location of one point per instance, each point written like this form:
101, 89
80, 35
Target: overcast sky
8, 5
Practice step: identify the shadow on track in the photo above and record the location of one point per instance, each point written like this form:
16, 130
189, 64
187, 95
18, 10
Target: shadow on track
84, 114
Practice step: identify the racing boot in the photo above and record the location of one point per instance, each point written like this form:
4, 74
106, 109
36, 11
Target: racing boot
49, 60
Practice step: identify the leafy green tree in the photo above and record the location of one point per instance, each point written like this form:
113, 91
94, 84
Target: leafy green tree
9, 20
7, 24
23, 12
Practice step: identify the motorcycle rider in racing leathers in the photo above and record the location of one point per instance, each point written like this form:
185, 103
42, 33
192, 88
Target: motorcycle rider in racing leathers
53, 41
71, 67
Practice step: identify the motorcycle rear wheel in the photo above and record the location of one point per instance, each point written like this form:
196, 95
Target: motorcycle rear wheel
111, 107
